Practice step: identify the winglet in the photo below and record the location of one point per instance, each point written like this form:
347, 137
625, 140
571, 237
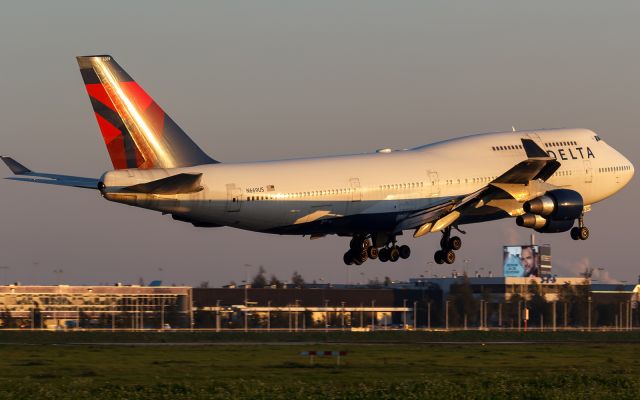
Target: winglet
532, 149
15, 166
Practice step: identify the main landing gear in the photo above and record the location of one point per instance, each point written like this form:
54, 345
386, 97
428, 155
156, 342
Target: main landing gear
580, 232
361, 249
448, 245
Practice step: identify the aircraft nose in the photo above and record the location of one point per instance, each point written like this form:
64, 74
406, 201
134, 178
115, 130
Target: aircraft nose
631, 171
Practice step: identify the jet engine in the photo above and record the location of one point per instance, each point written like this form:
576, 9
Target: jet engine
555, 211
559, 205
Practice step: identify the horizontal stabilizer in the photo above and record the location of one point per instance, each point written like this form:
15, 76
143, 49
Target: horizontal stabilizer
27, 175
175, 184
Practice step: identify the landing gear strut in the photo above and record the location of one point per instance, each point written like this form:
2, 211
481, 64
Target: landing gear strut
361, 249
448, 245
580, 232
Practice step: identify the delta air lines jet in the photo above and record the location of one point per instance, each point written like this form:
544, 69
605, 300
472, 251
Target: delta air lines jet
545, 179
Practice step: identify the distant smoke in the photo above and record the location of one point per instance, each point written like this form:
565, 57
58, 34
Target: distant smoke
604, 276
578, 268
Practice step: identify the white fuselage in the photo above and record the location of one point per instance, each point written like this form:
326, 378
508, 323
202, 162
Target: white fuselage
370, 192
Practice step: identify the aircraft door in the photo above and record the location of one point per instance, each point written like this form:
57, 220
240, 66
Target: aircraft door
356, 193
588, 171
432, 184
234, 198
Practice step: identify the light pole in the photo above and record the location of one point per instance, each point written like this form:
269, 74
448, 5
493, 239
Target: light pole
630, 315
404, 314
589, 314
485, 312
342, 315
162, 316
429, 315
446, 315
326, 315
269, 316
415, 315
295, 315
519, 315
373, 315
217, 315
246, 283
621, 317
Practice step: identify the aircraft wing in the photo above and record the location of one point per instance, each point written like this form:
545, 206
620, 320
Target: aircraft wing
24, 174
512, 187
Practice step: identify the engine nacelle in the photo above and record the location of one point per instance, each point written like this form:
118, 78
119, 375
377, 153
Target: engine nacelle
542, 224
557, 205
532, 221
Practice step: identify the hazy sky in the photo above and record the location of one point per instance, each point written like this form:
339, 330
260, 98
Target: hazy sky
274, 79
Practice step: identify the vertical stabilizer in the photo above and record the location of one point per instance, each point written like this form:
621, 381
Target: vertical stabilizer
136, 131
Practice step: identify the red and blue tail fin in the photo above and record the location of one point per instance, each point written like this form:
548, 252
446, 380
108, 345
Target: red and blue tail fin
137, 132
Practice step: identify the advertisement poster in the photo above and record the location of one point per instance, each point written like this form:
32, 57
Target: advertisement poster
526, 261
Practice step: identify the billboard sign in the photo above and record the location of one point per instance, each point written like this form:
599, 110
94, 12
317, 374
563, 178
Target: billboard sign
526, 261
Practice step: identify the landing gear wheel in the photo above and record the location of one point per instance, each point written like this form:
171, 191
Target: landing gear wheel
438, 257
583, 233
348, 258
449, 257
405, 251
575, 233
357, 261
455, 243
372, 252
383, 254
362, 255
394, 254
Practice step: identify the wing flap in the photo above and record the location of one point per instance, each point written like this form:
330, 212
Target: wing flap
529, 170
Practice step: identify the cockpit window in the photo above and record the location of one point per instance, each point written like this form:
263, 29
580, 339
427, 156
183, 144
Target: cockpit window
597, 138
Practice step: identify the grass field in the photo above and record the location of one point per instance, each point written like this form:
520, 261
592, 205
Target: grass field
73, 337
372, 369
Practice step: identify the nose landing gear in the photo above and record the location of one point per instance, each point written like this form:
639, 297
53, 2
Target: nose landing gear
580, 232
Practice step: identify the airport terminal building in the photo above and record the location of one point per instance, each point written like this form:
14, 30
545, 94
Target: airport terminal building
435, 303
108, 307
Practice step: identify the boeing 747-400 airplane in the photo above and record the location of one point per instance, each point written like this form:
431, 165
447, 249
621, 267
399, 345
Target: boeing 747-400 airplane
545, 179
